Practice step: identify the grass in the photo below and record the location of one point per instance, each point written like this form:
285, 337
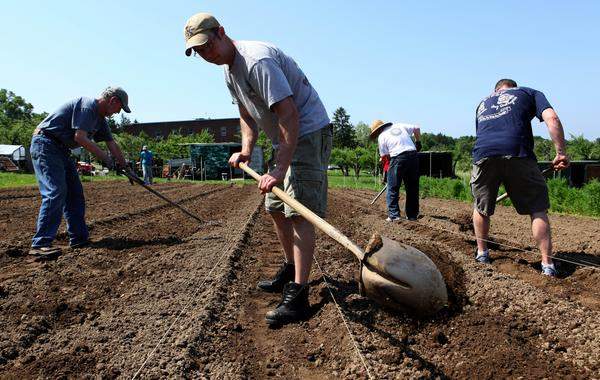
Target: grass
16, 180
563, 199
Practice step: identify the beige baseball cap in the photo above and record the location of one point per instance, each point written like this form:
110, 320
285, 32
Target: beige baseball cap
196, 28
119, 93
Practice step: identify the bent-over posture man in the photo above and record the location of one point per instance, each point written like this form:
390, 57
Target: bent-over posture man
272, 93
395, 144
503, 153
74, 124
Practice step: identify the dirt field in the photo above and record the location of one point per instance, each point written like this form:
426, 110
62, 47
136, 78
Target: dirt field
156, 278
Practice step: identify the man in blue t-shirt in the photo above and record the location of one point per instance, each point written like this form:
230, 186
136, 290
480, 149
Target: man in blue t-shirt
146, 158
74, 124
503, 153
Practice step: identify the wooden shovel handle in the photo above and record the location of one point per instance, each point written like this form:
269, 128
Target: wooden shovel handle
313, 218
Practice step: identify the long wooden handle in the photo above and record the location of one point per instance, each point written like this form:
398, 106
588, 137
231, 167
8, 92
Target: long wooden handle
313, 218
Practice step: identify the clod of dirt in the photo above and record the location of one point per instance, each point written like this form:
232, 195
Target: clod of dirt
14, 252
374, 243
464, 222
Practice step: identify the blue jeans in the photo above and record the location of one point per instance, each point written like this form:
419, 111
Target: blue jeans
403, 168
61, 192
147, 171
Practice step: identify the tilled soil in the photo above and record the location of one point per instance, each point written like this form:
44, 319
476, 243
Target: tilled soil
159, 295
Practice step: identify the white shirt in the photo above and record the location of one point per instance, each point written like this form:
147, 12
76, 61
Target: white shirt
395, 139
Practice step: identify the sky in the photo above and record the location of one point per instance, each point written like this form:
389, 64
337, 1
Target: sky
423, 62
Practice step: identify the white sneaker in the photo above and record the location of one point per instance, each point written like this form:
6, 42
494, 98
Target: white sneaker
388, 219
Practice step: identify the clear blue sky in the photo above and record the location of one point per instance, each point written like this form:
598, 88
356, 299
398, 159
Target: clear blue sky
422, 62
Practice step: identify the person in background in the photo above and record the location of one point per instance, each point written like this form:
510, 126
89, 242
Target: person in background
395, 144
503, 153
147, 161
79, 122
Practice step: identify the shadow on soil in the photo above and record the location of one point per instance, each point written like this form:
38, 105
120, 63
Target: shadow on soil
127, 243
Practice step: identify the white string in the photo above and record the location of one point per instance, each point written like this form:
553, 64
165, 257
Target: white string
364, 363
187, 305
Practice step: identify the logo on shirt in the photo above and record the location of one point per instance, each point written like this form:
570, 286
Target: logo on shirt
481, 109
502, 107
504, 100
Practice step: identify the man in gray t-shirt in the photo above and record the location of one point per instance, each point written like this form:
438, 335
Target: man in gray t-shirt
272, 93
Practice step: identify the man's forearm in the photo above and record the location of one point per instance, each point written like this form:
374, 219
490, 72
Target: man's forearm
557, 134
288, 139
91, 147
417, 134
249, 136
115, 151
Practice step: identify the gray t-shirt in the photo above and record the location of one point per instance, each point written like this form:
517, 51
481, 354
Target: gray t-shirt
80, 113
262, 75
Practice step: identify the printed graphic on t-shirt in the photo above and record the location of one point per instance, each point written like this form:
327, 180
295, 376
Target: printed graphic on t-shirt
502, 107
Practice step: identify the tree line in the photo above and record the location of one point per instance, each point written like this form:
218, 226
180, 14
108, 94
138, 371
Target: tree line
353, 152
18, 120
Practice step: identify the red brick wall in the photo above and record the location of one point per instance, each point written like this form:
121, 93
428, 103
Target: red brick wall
223, 130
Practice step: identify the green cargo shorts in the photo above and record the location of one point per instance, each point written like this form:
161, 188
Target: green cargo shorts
524, 183
306, 178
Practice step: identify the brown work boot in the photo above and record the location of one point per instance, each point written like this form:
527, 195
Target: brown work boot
283, 276
293, 307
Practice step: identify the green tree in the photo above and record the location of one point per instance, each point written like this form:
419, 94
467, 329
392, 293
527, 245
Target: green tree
363, 132
543, 148
343, 159
463, 152
579, 148
14, 107
437, 142
361, 158
343, 131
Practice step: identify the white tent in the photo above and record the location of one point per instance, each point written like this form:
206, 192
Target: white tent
14, 152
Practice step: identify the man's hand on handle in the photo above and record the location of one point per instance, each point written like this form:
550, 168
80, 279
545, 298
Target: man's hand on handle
560, 162
267, 181
238, 157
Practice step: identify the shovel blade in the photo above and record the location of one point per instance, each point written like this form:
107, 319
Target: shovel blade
403, 278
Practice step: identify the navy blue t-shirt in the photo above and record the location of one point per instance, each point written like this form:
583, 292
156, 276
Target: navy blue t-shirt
80, 113
503, 123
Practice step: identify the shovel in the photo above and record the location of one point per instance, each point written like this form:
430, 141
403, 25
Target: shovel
392, 274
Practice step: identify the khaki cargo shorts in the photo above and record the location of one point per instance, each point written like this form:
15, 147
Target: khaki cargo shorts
524, 183
306, 178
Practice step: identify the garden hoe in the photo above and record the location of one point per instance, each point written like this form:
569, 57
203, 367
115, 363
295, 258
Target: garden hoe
133, 178
392, 274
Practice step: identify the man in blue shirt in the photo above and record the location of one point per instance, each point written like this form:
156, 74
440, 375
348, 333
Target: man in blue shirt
74, 124
146, 158
503, 153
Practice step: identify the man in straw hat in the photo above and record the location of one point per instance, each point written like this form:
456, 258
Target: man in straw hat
272, 93
74, 124
395, 143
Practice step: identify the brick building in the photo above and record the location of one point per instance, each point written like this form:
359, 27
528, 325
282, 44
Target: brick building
223, 130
